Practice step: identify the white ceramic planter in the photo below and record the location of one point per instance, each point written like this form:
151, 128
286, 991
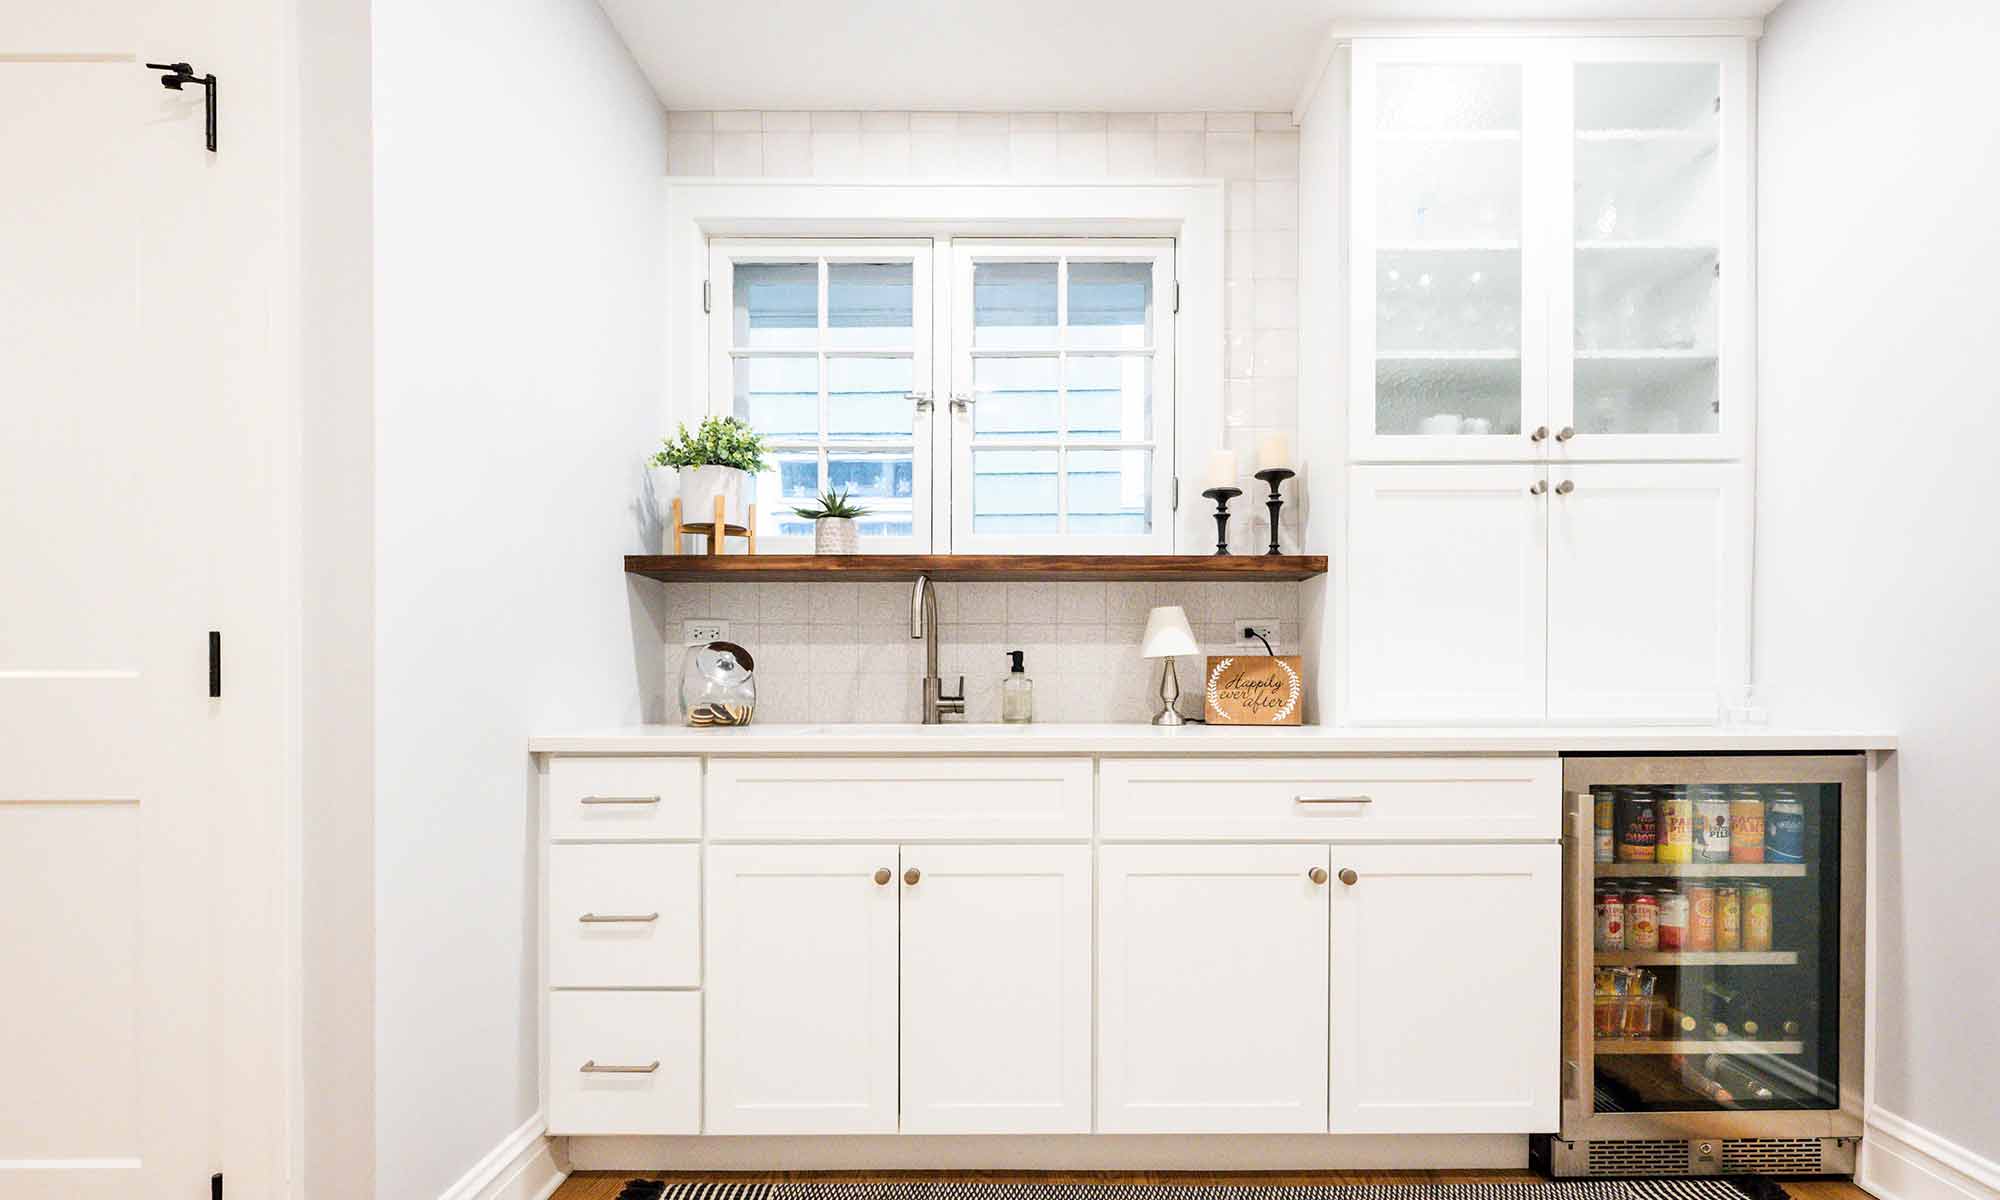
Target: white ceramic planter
699, 486
836, 535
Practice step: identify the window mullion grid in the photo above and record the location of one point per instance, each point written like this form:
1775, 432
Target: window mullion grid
1062, 394
820, 339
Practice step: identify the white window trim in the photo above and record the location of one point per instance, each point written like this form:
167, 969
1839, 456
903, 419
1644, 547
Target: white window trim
1189, 211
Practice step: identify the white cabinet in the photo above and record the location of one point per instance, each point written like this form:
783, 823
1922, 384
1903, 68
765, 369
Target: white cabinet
1648, 590
1550, 249
1445, 970
1212, 989
1578, 592
801, 982
624, 1062
820, 956
1446, 580
996, 989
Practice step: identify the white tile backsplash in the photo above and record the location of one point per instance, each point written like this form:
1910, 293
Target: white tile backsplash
842, 652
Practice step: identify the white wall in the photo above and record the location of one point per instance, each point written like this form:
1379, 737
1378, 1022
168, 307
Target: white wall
1879, 181
519, 230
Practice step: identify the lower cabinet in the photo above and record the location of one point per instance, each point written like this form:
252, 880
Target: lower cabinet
809, 996
1446, 995
624, 1062
1212, 989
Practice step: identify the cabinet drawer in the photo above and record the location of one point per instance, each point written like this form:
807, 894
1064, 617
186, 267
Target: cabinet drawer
1333, 799
624, 798
624, 915
624, 1062
995, 799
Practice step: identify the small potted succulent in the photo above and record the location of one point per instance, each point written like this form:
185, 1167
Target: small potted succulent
833, 516
720, 458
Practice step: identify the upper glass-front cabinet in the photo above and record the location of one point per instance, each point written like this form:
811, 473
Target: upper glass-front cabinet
1550, 249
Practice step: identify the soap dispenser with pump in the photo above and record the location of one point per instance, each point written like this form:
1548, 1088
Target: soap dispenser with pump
1017, 693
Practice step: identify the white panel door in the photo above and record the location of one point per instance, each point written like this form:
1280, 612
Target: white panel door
1446, 997
1212, 989
1648, 590
801, 989
1445, 585
111, 390
996, 989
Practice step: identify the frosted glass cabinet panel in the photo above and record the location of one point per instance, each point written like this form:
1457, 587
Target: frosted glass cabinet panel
1549, 249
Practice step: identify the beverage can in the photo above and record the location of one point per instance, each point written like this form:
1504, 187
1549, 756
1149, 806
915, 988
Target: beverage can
1785, 827
1746, 825
1676, 837
1604, 803
1757, 916
1642, 921
1639, 826
1728, 917
1610, 919
1711, 823
1673, 920
1701, 916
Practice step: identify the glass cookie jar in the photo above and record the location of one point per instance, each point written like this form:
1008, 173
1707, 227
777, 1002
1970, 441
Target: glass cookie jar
718, 685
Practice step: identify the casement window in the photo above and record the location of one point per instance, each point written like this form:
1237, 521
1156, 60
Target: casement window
977, 395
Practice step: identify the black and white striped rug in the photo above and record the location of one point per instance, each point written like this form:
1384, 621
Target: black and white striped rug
1587, 1189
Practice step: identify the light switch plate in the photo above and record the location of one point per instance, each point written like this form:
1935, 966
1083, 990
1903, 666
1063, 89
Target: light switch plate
702, 630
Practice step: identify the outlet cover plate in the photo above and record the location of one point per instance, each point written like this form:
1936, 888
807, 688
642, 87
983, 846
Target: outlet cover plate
702, 630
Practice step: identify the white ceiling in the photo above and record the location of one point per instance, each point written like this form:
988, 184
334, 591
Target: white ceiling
1033, 55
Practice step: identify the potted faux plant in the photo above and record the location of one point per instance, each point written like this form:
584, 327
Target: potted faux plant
720, 458
833, 516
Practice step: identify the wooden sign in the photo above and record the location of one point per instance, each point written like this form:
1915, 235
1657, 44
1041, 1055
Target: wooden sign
1253, 690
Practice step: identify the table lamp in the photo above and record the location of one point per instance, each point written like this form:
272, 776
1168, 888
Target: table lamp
1167, 634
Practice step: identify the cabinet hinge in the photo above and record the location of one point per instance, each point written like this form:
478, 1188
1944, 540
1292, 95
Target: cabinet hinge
704, 295
1177, 295
1718, 268
215, 664
1177, 493
215, 1186
1718, 104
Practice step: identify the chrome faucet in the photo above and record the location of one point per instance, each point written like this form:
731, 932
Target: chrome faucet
923, 624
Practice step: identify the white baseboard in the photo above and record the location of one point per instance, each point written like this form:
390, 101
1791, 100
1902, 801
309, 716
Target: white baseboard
1091, 1152
523, 1167
1903, 1161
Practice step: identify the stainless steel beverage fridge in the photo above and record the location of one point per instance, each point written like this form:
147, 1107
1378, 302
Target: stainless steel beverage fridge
1712, 1016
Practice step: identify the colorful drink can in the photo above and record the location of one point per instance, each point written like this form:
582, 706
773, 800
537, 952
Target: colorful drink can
1639, 826
1711, 823
1785, 827
1728, 917
1642, 921
1757, 916
1604, 802
1610, 919
1746, 825
1673, 920
1701, 916
1676, 839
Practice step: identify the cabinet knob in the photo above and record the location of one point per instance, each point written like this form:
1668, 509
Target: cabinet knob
1538, 487
1348, 877
882, 875
1541, 434
1565, 488
1317, 874
911, 876
1565, 433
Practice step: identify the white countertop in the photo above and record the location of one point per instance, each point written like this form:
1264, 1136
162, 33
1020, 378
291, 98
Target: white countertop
1196, 739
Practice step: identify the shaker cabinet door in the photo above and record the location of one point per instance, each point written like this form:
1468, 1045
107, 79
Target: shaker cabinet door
1212, 989
996, 989
801, 989
1446, 988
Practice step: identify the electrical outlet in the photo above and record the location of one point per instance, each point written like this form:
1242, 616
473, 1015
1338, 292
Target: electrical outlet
1250, 631
703, 630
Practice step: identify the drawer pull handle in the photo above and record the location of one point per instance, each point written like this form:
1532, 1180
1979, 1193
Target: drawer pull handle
621, 800
1333, 799
615, 918
592, 1067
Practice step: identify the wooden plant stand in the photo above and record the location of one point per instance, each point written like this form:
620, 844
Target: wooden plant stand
711, 528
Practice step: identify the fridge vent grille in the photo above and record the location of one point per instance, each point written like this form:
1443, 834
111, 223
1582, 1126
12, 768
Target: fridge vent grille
1771, 1156
1658, 1156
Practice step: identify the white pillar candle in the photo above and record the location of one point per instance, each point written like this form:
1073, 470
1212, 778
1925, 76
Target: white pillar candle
1274, 450
1221, 469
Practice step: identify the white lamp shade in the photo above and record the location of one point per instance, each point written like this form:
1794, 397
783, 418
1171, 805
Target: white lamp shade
1167, 633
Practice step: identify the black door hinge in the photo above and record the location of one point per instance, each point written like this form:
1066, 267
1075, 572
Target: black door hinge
178, 76
215, 681
215, 1186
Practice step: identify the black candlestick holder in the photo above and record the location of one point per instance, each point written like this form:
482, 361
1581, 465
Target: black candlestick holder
1275, 476
1222, 496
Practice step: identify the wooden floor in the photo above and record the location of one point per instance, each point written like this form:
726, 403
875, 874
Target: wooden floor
605, 1185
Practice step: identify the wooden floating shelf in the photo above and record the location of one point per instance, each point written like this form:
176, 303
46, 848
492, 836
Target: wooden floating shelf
1697, 958
1622, 1046
1700, 870
974, 568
